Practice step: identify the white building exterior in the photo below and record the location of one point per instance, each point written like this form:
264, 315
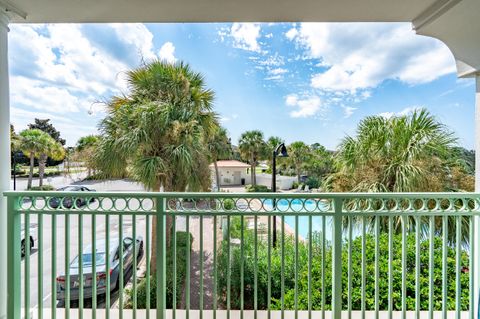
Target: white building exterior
231, 173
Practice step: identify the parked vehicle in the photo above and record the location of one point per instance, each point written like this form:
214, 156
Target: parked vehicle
67, 202
24, 237
129, 264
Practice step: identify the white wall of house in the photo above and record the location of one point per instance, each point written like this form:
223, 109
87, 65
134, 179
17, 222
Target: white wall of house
231, 176
283, 182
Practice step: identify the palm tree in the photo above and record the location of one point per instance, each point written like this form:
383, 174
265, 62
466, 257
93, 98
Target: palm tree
84, 151
55, 151
157, 133
219, 147
298, 153
272, 143
393, 154
252, 148
410, 153
33, 143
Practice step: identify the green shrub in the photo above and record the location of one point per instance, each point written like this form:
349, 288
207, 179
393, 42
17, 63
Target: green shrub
316, 279
181, 268
296, 184
257, 189
312, 182
94, 177
42, 188
228, 204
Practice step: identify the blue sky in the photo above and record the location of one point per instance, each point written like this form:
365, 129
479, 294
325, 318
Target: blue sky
305, 81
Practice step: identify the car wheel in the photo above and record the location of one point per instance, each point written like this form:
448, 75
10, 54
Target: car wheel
32, 242
23, 247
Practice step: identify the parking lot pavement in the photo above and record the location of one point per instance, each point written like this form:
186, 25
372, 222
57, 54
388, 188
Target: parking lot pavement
47, 276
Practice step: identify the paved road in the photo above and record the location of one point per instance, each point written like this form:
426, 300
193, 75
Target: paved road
46, 276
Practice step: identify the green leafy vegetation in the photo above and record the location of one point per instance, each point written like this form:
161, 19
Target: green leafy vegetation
257, 189
410, 153
43, 188
181, 250
289, 259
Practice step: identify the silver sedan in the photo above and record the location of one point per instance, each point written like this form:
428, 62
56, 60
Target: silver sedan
129, 263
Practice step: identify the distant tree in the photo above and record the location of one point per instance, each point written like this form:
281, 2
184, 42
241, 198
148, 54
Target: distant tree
220, 147
53, 150
272, 143
32, 143
252, 148
85, 150
320, 162
467, 159
47, 127
298, 155
13, 138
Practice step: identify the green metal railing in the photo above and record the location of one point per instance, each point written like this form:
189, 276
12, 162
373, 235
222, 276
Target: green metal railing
323, 238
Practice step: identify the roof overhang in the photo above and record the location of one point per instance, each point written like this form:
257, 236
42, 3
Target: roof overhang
455, 22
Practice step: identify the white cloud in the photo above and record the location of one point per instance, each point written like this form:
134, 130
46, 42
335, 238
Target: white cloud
65, 68
245, 36
225, 119
304, 107
291, 34
70, 130
348, 111
41, 96
138, 36
167, 52
362, 55
277, 71
404, 112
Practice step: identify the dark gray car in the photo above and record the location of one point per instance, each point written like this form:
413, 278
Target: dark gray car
67, 202
129, 264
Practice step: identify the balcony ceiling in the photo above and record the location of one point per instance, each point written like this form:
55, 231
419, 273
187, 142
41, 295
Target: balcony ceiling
219, 10
455, 22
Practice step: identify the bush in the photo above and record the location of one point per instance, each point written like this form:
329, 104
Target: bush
94, 177
43, 188
296, 184
181, 250
257, 189
316, 280
228, 204
312, 182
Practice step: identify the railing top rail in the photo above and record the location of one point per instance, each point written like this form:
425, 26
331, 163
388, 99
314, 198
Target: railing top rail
213, 195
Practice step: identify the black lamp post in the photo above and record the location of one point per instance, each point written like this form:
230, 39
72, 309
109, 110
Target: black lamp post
279, 151
15, 154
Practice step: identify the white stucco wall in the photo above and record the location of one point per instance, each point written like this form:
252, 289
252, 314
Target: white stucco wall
230, 176
283, 182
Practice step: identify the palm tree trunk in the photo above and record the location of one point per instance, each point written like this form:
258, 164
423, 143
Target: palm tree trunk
153, 251
252, 172
41, 168
217, 175
298, 176
30, 173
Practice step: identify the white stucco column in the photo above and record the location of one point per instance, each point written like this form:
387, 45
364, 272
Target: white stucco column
4, 157
476, 254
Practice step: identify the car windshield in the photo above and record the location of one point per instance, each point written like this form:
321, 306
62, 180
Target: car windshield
68, 189
87, 260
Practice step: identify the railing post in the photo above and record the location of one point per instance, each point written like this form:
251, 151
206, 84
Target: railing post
337, 259
476, 219
161, 251
13, 259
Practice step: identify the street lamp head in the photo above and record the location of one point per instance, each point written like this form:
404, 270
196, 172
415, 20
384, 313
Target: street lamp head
282, 150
